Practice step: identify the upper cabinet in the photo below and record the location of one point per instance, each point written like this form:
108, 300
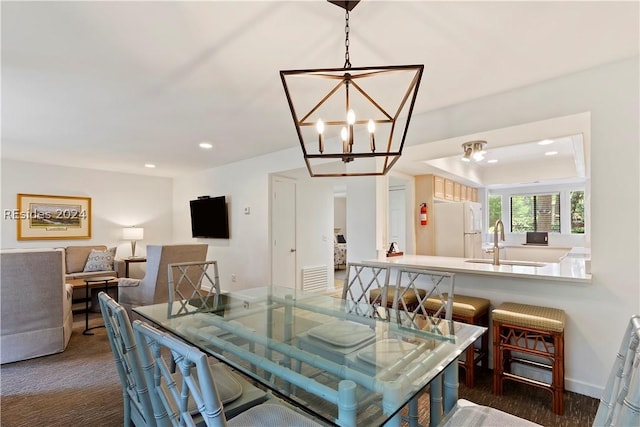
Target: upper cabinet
448, 189
438, 187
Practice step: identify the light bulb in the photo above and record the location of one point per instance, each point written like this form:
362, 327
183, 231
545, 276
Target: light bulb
351, 117
371, 126
320, 126
344, 134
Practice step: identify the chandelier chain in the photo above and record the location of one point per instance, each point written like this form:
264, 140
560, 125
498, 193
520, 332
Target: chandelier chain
347, 62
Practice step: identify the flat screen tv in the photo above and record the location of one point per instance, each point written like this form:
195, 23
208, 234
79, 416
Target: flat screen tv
209, 218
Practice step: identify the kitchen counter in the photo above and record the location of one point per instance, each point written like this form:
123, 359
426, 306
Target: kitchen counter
568, 269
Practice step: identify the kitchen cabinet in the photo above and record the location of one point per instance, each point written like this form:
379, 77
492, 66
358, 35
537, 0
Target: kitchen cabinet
456, 191
438, 187
448, 189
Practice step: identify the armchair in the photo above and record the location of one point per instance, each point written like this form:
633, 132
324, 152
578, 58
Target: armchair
153, 287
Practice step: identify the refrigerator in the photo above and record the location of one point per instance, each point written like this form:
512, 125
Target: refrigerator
458, 229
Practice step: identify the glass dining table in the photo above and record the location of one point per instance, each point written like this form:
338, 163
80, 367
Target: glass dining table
266, 334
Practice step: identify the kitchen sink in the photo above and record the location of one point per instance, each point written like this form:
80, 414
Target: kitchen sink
508, 262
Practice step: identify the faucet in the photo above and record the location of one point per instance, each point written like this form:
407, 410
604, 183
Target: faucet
496, 249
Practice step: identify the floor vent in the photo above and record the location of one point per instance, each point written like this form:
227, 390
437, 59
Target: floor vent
314, 278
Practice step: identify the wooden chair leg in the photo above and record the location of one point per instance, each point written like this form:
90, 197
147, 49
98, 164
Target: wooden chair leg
497, 360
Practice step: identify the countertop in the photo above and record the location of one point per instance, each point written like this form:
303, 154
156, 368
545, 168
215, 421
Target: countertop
569, 269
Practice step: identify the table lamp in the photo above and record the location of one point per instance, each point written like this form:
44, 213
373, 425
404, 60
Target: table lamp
133, 234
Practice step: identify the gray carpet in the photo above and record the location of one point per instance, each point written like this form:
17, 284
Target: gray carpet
80, 387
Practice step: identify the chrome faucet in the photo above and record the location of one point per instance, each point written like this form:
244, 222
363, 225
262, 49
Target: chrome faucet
496, 249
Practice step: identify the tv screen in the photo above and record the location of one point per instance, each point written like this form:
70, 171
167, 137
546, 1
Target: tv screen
209, 218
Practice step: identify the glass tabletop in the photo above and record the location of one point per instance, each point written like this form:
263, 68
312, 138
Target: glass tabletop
347, 364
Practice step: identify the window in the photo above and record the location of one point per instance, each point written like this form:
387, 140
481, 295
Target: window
577, 212
495, 210
535, 212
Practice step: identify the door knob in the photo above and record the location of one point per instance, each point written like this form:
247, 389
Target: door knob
292, 250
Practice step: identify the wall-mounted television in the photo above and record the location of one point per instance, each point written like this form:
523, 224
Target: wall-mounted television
209, 218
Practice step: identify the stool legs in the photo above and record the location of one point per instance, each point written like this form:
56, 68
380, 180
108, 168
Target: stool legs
469, 364
507, 337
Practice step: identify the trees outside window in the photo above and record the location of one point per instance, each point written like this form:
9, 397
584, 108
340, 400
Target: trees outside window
577, 212
495, 210
535, 212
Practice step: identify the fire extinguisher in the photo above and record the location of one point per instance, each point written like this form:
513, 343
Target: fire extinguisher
424, 218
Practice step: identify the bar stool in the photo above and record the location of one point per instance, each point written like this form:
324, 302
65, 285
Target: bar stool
529, 330
474, 311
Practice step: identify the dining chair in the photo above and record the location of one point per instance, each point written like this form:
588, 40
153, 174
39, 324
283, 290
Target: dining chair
620, 402
421, 292
335, 339
137, 403
469, 414
169, 396
193, 286
413, 288
235, 392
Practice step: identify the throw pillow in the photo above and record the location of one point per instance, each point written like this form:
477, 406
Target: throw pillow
100, 260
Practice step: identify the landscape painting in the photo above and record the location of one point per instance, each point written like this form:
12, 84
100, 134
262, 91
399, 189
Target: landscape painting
43, 217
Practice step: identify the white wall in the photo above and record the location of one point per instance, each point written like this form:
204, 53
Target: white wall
117, 200
246, 184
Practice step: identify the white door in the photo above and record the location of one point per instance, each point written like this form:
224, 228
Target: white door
397, 218
283, 232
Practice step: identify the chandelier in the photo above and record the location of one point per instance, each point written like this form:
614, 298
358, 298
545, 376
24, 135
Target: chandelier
473, 150
345, 115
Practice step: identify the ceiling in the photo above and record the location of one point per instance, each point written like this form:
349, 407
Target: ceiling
115, 85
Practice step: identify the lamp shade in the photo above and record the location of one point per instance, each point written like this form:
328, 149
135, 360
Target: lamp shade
133, 233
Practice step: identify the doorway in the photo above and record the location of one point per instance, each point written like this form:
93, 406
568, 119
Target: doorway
283, 231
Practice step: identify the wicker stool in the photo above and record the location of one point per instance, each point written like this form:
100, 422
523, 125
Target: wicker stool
474, 311
410, 298
534, 331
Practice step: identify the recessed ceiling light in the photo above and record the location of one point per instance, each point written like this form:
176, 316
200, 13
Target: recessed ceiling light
546, 142
206, 145
149, 165
492, 161
550, 153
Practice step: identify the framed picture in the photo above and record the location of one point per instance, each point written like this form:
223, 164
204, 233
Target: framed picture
41, 217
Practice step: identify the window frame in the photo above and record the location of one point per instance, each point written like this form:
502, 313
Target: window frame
565, 191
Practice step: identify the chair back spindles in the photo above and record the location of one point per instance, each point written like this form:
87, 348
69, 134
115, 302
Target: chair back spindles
137, 402
620, 402
414, 287
170, 397
360, 280
193, 286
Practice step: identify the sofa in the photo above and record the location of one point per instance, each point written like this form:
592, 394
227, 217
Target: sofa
76, 262
35, 311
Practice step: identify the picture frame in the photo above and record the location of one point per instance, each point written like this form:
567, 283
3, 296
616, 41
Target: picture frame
44, 217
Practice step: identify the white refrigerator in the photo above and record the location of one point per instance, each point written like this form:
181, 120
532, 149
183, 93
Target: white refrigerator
458, 229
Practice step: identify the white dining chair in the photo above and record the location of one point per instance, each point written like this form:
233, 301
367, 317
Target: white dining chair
235, 392
137, 403
413, 287
336, 339
169, 397
620, 402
